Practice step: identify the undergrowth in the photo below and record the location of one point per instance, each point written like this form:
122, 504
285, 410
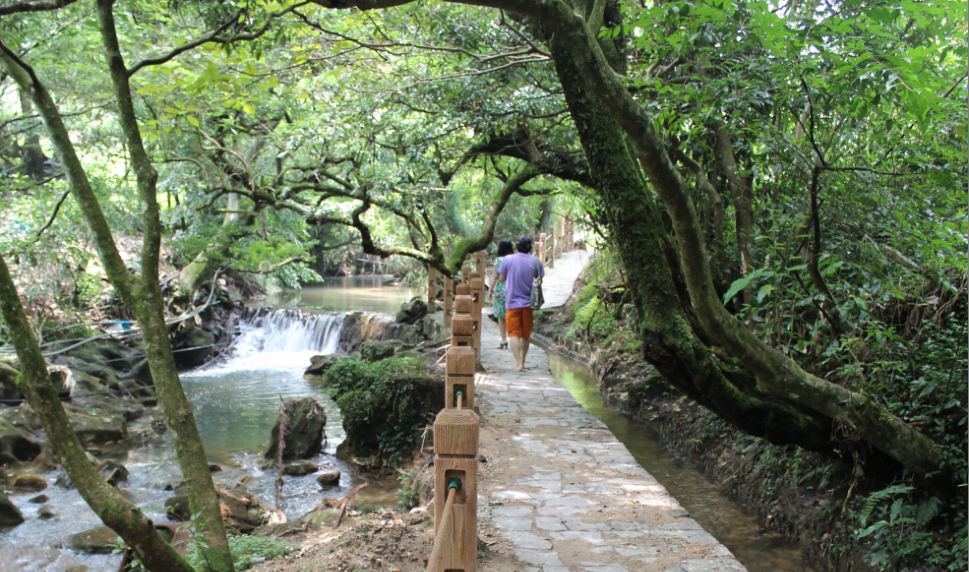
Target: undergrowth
911, 356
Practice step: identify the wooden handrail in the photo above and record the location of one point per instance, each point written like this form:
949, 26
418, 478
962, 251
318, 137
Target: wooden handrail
443, 534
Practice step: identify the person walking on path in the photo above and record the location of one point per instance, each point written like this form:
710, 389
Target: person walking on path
498, 292
519, 272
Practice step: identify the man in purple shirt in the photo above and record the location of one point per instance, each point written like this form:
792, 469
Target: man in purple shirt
518, 271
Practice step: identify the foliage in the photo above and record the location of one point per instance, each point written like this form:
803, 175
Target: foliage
247, 551
415, 485
384, 404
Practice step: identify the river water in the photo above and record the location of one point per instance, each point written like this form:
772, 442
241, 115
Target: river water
757, 549
235, 401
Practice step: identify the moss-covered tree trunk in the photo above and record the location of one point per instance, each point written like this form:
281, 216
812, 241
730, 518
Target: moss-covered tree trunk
778, 378
634, 217
149, 308
108, 503
142, 294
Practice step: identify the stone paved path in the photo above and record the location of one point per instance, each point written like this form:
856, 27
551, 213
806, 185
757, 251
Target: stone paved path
560, 489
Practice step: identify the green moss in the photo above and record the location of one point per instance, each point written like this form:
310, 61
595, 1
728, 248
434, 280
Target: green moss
384, 405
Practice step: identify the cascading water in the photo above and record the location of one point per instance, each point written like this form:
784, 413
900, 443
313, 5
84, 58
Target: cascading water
235, 400
268, 330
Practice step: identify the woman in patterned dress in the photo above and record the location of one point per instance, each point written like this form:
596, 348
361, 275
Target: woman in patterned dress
498, 292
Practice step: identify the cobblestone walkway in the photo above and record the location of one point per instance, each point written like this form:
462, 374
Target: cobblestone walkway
560, 489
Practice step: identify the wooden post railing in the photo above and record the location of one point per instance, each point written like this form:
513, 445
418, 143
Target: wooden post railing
456, 430
462, 324
455, 491
476, 284
459, 377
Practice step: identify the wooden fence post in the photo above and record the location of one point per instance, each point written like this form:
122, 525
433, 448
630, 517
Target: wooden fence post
456, 466
459, 376
462, 325
479, 262
476, 283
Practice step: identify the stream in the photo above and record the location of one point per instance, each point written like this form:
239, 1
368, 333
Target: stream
755, 548
235, 400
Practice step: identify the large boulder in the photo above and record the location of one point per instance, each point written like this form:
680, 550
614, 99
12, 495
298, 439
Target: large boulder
305, 421
16, 444
411, 312
384, 406
9, 513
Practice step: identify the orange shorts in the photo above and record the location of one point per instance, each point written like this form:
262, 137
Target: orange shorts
518, 322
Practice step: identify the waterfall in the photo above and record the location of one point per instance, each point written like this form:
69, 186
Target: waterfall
278, 331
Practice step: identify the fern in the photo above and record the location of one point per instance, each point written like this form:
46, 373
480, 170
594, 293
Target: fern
876, 498
927, 511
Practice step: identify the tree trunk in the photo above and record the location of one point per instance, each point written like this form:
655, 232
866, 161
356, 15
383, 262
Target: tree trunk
108, 503
743, 205
777, 375
638, 232
149, 309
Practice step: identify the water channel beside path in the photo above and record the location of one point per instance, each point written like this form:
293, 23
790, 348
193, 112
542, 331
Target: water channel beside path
758, 550
235, 400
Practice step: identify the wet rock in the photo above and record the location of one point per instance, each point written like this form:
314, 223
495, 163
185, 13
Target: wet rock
376, 350
9, 513
329, 478
321, 517
192, 347
213, 468
100, 540
298, 468
177, 508
28, 482
39, 499
319, 364
99, 430
113, 472
16, 444
240, 510
411, 312
304, 430
45, 513
140, 373
8, 383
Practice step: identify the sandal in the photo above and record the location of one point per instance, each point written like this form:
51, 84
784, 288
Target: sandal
503, 346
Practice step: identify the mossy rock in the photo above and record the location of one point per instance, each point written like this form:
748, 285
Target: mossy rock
304, 430
299, 468
100, 540
375, 350
9, 513
384, 404
28, 482
320, 517
319, 364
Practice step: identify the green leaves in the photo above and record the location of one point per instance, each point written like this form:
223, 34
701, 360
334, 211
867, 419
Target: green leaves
739, 284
